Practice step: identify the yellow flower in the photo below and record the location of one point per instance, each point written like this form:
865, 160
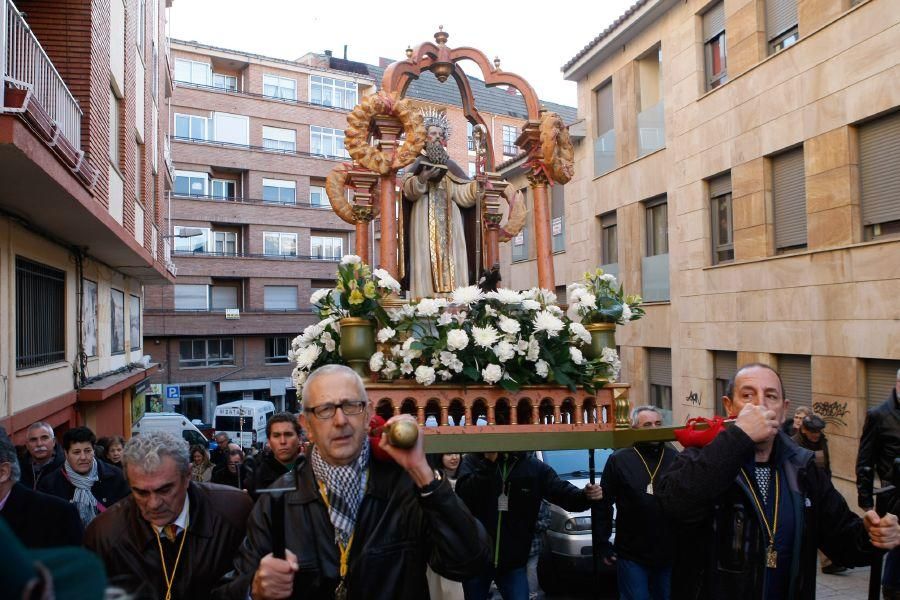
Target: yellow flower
369, 289
353, 284
339, 286
356, 297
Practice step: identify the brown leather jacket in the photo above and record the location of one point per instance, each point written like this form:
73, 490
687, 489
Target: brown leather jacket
128, 547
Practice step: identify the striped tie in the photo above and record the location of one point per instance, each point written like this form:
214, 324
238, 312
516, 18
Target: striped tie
171, 531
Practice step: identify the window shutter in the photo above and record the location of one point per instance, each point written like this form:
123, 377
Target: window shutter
281, 135
796, 374
881, 377
224, 296
190, 297
781, 15
725, 364
232, 129
280, 297
605, 109
789, 193
879, 168
714, 21
719, 186
660, 362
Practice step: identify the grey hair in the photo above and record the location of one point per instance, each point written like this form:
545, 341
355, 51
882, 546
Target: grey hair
8, 455
47, 426
898, 374
803, 409
335, 370
147, 451
639, 409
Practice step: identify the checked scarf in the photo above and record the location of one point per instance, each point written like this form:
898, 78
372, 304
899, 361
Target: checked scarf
345, 486
84, 500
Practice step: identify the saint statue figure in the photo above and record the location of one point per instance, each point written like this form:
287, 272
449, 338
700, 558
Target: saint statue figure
436, 188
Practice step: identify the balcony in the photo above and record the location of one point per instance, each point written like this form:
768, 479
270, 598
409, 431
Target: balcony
165, 323
255, 158
234, 92
247, 264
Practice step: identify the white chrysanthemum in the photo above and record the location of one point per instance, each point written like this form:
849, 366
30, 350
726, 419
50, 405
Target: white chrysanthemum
466, 296
328, 342
588, 300
578, 330
534, 349
547, 321
376, 362
460, 317
425, 375
385, 280
577, 356
574, 312
609, 278
445, 319
575, 292
491, 373
299, 376
508, 325
307, 357
457, 339
445, 374
626, 312
542, 368
506, 296
428, 307
522, 347
485, 336
531, 305
555, 310
385, 334
504, 351
546, 296
318, 295
350, 259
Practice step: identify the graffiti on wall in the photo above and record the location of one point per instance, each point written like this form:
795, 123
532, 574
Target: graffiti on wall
832, 412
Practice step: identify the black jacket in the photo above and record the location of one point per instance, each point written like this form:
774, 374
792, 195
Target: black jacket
109, 488
528, 482
397, 533
704, 490
878, 447
267, 470
41, 520
643, 534
218, 457
32, 475
129, 549
239, 479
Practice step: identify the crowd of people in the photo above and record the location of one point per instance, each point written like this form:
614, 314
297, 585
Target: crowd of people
328, 511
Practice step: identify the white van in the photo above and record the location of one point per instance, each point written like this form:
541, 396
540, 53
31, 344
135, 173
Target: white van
173, 423
244, 421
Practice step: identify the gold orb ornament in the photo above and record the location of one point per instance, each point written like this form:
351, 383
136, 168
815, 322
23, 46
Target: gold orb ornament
402, 434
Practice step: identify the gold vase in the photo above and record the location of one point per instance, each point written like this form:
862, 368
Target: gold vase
603, 335
358, 343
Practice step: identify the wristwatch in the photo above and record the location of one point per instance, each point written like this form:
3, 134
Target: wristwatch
429, 488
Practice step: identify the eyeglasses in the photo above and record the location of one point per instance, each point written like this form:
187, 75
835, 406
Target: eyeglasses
348, 407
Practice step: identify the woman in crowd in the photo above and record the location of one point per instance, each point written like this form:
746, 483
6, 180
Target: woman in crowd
113, 446
201, 467
438, 587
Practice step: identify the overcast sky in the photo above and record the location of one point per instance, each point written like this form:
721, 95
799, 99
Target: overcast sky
532, 39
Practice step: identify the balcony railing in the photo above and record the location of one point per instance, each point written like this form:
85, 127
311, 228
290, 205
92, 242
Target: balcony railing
221, 90
27, 67
205, 253
191, 140
239, 200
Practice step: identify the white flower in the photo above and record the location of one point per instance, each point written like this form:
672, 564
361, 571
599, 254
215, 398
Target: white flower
508, 325
504, 351
460, 317
555, 310
484, 336
457, 339
588, 300
575, 292
318, 295
542, 368
466, 296
531, 304
328, 341
425, 375
445, 374
428, 307
491, 373
506, 296
299, 376
578, 330
611, 357
408, 352
522, 347
385, 334
385, 280
351, 259
307, 357
406, 367
446, 358
546, 296
577, 356
396, 350
626, 312
547, 321
489, 311
445, 319
376, 362
534, 349
390, 367
609, 278
574, 312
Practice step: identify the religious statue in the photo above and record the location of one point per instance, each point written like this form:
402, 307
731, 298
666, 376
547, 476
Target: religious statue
436, 188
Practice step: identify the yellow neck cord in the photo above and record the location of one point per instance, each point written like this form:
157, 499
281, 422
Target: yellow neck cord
345, 550
762, 514
656, 470
162, 558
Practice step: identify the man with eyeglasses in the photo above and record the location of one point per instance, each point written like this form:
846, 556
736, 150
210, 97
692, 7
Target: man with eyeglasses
356, 527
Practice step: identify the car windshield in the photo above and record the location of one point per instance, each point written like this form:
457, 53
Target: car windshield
573, 464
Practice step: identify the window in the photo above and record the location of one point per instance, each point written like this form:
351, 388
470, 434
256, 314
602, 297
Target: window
881, 378
796, 374
191, 183
280, 191
141, 30
318, 197
469, 137
40, 314
721, 215
657, 227
226, 242
190, 71
115, 138
223, 189
879, 163
472, 170
660, 376
655, 265
225, 82
789, 199
206, 353
558, 218
327, 142
89, 315
134, 321
609, 240
191, 239
231, 129
279, 87
117, 321
714, 46
280, 297
279, 139
224, 297
277, 349
280, 244
605, 144
651, 118
332, 92
154, 75
191, 127
724, 368
326, 248
510, 134
781, 24
520, 241
191, 297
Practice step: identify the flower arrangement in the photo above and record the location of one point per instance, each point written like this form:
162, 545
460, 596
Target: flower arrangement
598, 299
357, 293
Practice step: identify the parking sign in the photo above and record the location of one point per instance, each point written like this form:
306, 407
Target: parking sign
173, 392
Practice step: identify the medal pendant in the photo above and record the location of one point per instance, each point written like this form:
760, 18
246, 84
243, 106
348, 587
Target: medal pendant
340, 592
771, 557
650, 488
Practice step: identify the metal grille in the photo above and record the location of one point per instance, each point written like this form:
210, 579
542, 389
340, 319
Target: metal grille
881, 377
789, 193
796, 374
40, 314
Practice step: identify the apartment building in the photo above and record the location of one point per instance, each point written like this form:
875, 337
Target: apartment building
253, 140
738, 169
84, 169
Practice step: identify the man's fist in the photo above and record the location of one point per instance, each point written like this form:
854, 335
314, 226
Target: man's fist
593, 492
274, 579
883, 531
758, 422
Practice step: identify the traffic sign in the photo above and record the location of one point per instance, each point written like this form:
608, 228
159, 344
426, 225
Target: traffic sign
173, 392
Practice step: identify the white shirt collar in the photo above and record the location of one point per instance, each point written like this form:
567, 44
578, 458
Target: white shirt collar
181, 521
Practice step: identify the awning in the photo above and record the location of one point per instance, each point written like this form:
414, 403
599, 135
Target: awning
113, 384
275, 386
